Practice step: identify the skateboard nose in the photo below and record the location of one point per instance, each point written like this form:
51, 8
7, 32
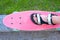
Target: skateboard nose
18, 20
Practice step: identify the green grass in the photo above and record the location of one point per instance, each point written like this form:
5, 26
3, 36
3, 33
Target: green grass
9, 6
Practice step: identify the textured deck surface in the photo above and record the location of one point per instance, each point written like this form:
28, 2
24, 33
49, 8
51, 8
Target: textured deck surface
9, 34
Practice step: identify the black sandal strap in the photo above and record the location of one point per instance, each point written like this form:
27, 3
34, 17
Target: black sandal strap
33, 18
38, 18
50, 18
43, 22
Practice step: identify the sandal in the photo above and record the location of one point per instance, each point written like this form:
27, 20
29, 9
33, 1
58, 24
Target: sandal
39, 19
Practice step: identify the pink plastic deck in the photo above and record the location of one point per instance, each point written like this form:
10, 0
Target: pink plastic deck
22, 21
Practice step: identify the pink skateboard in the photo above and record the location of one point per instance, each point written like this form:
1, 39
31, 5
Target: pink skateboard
22, 21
